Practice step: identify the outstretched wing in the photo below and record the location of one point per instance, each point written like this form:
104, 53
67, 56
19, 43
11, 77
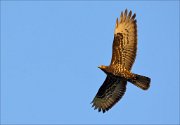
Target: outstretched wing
125, 40
109, 93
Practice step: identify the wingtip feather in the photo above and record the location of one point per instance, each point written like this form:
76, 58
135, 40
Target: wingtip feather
117, 22
134, 16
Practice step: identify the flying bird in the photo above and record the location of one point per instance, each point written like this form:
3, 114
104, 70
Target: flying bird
119, 71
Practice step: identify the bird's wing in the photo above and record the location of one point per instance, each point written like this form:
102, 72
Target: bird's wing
125, 40
109, 93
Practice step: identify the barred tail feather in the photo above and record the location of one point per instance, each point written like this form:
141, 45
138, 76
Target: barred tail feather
142, 82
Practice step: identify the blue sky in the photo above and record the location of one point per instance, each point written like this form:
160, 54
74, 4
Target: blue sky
49, 57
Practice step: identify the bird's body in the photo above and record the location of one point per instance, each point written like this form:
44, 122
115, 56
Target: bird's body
119, 71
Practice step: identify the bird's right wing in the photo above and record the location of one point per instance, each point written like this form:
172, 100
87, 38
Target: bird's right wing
109, 93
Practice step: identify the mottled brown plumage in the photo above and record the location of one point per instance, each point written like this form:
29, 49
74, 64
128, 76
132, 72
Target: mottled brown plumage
119, 70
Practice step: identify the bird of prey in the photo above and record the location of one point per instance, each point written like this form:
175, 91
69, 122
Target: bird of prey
119, 71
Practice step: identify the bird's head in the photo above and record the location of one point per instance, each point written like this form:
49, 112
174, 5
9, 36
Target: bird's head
103, 68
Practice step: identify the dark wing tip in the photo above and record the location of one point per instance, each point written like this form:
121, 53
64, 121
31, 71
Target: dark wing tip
129, 15
121, 14
134, 16
126, 11
125, 15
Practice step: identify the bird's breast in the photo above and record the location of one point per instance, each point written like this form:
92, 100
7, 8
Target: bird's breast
121, 71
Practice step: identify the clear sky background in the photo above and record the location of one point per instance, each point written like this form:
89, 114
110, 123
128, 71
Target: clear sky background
49, 57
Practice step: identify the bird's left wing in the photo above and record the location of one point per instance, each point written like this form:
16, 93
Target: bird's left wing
109, 93
125, 40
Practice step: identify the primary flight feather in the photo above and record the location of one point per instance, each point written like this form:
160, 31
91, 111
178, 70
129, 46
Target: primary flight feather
119, 71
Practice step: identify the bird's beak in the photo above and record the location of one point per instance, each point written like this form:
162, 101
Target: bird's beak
100, 67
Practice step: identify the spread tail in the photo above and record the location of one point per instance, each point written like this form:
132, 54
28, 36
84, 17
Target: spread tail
142, 82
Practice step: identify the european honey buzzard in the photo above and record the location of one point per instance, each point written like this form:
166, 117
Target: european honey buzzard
119, 70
